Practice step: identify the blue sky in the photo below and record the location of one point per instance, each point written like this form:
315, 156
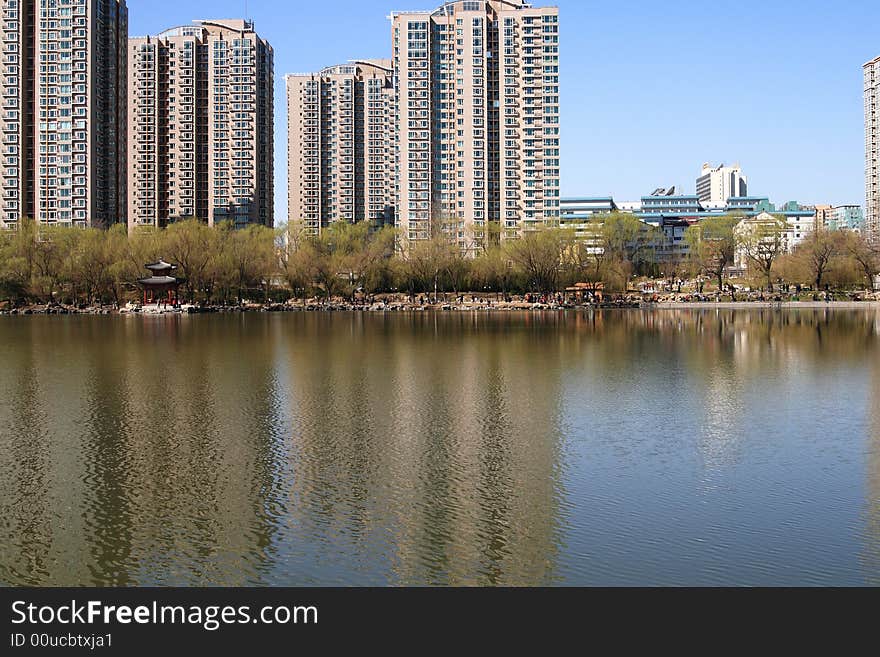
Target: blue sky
650, 89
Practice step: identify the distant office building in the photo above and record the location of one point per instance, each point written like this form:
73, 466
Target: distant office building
840, 217
750, 229
674, 214
477, 122
849, 217
794, 206
749, 204
340, 156
633, 207
671, 205
585, 207
581, 214
872, 148
825, 216
201, 128
799, 225
63, 111
718, 184
577, 213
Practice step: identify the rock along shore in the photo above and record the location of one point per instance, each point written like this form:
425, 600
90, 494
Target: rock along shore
408, 306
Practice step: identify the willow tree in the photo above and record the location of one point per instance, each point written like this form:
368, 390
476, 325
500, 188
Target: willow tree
866, 254
15, 269
376, 270
356, 254
426, 261
764, 241
191, 245
47, 272
614, 246
243, 259
623, 235
90, 264
538, 255
713, 244
298, 258
493, 270
819, 251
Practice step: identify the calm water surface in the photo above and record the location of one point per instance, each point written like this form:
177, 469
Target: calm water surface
669, 447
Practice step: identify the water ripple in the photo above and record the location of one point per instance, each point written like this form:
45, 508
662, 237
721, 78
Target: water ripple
678, 448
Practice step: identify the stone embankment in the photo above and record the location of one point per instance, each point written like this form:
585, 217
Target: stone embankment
58, 309
425, 305
401, 306
312, 305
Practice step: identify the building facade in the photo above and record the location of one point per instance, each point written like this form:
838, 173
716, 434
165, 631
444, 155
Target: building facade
63, 114
673, 215
201, 129
777, 231
477, 119
718, 184
578, 214
848, 217
825, 216
872, 149
340, 148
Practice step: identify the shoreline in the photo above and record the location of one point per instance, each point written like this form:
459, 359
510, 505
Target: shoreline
773, 305
398, 307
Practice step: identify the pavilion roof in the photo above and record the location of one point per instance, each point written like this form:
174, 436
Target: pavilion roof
161, 265
158, 280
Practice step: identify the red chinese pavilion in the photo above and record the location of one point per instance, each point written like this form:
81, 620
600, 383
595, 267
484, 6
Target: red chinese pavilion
161, 287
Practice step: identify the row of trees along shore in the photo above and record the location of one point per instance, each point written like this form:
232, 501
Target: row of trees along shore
822, 259
221, 265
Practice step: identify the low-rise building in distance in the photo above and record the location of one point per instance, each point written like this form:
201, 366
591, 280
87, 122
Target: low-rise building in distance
673, 214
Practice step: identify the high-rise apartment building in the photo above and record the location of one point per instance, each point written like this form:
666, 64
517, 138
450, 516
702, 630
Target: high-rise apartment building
717, 185
63, 111
340, 157
872, 149
477, 119
201, 125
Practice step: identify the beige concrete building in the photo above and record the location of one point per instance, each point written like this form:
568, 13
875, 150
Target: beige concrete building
340, 161
477, 102
201, 129
63, 114
872, 149
826, 216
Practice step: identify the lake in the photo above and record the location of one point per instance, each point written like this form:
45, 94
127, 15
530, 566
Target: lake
679, 447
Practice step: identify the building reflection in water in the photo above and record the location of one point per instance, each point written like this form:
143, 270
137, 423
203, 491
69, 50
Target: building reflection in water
468, 449
443, 467
873, 468
145, 452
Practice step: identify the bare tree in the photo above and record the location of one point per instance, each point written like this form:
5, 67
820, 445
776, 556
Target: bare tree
866, 254
538, 255
763, 242
818, 251
713, 244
